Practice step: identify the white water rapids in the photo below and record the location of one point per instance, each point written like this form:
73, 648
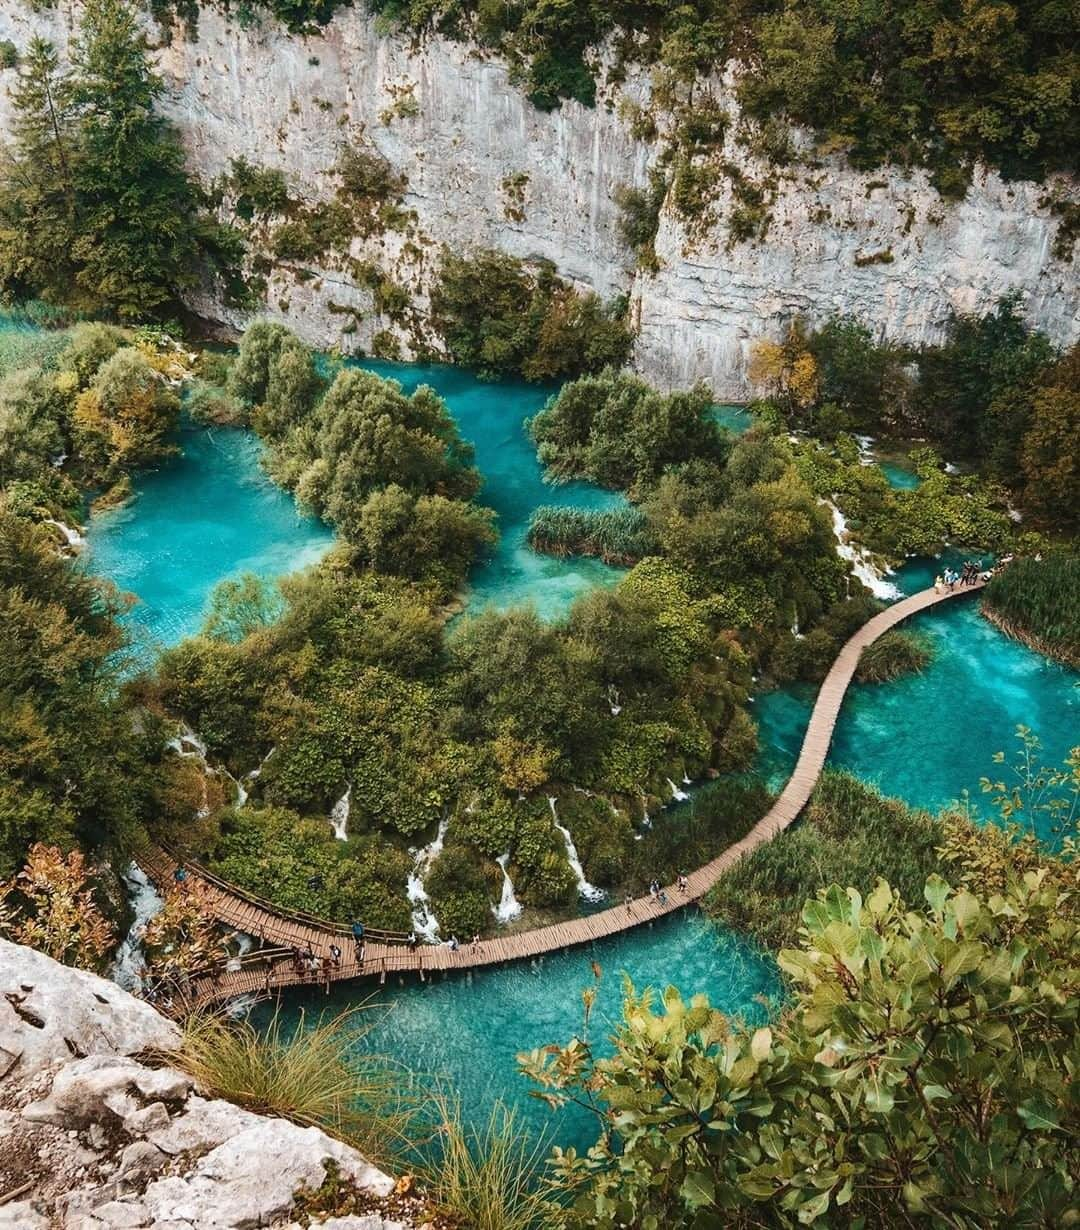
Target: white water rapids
589, 891
127, 968
424, 922
509, 906
860, 562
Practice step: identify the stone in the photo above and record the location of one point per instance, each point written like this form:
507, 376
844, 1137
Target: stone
77, 1013
121, 1214
22, 1216
150, 1118
203, 1126
139, 1161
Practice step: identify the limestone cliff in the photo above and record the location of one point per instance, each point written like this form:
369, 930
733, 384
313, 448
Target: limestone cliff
486, 168
92, 1136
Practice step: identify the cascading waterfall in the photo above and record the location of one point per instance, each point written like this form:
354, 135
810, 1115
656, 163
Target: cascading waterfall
339, 815
866, 450
424, 922
509, 906
677, 795
589, 891
188, 744
75, 541
858, 558
146, 902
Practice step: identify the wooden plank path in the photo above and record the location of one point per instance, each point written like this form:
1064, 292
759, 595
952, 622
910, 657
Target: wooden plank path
388, 953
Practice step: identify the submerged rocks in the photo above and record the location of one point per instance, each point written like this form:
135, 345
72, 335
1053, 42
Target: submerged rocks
107, 1139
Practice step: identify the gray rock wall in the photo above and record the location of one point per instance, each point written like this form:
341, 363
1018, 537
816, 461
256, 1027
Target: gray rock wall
288, 102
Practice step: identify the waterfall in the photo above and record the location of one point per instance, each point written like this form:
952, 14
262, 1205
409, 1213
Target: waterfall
589, 891
686, 780
866, 450
128, 966
195, 746
677, 795
859, 559
509, 906
73, 538
424, 922
339, 815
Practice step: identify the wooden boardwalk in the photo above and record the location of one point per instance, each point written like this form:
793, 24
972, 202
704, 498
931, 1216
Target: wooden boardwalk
388, 953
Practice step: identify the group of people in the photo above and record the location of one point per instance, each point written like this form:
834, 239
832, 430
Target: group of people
658, 893
969, 573
453, 943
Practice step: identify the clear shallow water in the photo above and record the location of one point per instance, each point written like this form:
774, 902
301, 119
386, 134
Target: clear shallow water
205, 516
490, 416
899, 476
464, 1032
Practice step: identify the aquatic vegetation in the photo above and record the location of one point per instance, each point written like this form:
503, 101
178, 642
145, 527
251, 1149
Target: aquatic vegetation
849, 834
897, 653
615, 535
1038, 601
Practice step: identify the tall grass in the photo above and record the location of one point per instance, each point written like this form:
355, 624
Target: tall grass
1038, 602
615, 535
893, 655
486, 1177
851, 834
314, 1076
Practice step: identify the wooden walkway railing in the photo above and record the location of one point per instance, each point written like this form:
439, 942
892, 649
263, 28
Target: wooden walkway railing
386, 953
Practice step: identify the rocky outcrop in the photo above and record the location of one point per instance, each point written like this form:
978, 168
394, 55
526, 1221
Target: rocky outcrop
486, 168
105, 1137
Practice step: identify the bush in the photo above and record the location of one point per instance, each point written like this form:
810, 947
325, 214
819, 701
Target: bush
616, 535
893, 655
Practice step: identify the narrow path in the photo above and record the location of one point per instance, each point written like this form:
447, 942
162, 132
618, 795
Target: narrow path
388, 953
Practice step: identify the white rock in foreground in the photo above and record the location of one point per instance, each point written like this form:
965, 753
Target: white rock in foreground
109, 1141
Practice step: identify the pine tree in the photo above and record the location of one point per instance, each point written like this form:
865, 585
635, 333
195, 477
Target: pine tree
37, 205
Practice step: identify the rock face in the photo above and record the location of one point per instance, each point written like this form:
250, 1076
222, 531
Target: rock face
486, 168
105, 1140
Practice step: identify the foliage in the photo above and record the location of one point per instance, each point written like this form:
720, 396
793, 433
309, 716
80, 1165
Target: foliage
182, 936
459, 895
615, 535
501, 317
314, 1074
1038, 601
850, 832
1050, 447
614, 429
893, 655
921, 1075
1035, 795
54, 908
240, 607
96, 207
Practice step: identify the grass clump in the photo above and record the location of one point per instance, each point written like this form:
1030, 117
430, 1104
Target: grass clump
851, 834
893, 655
485, 1177
1038, 602
312, 1075
615, 535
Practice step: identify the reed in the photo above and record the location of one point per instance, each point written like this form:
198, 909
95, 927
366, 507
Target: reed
893, 655
1038, 602
614, 535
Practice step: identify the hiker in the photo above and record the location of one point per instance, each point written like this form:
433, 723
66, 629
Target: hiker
335, 955
180, 874
661, 896
358, 939
683, 882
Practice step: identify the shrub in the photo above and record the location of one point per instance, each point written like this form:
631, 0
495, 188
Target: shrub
1038, 601
893, 655
615, 535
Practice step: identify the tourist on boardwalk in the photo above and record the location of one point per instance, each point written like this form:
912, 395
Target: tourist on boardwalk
452, 943
180, 874
335, 954
358, 939
683, 882
629, 900
413, 941
475, 938
327, 972
661, 896
938, 584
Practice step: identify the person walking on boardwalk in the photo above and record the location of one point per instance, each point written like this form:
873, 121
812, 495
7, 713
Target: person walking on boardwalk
938, 583
358, 940
629, 900
412, 940
327, 972
335, 955
683, 882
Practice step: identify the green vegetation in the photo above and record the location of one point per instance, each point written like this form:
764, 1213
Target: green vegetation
920, 1075
1038, 601
502, 317
895, 654
615, 430
994, 395
850, 834
96, 208
615, 535
316, 1076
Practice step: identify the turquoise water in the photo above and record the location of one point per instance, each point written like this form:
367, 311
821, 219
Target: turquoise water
207, 515
899, 476
490, 416
463, 1033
